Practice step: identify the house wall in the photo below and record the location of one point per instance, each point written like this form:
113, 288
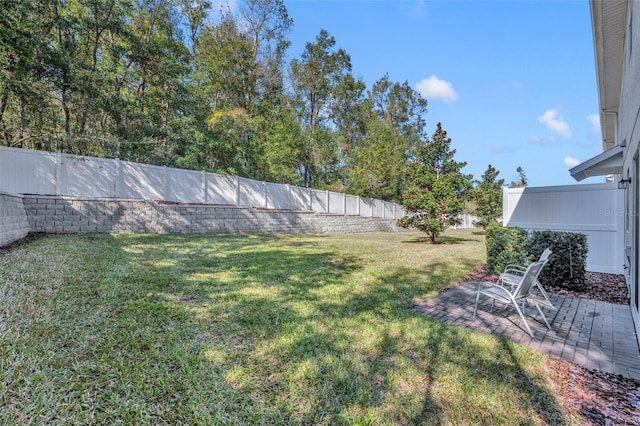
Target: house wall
14, 224
64, 214
628, 133
593, 210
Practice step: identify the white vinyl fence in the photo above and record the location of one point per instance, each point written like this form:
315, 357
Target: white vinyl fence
25, 171
590, 209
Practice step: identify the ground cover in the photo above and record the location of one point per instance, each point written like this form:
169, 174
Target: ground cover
239, 329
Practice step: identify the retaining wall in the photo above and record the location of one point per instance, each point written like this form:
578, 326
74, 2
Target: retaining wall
63, 214
14, 224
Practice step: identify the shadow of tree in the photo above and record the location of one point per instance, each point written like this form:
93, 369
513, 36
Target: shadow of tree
292, 339
442, 239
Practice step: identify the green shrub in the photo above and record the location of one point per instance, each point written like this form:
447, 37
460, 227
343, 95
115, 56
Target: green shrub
567, 264
505, 246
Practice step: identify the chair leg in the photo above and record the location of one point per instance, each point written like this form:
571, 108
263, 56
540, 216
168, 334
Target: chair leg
526, 324
545, 295
541, 314
475, 308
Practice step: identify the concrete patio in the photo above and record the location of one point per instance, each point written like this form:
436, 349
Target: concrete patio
593, 334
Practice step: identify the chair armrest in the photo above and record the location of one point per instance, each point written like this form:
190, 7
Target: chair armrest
514, 269
508, 279
495, 291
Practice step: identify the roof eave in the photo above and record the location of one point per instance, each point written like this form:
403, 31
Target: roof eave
606, 163
608, 20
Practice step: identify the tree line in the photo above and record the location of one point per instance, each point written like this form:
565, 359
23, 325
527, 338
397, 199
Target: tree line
177, 83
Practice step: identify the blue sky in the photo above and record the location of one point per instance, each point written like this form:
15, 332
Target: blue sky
513, 82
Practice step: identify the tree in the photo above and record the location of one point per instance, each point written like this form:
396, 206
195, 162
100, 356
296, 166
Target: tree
377, 165
314, 78
402, 107
488, 197
267, 25
436, 188
281, 146
522, 180
392, 126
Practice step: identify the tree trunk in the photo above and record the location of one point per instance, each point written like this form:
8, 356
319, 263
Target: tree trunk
3, 106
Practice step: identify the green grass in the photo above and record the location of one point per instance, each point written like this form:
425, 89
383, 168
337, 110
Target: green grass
267, 329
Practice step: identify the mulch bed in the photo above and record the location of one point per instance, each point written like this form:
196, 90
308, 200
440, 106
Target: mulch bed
605, 287
598, 398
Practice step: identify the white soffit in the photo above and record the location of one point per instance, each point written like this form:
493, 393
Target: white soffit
608, 18
606, 163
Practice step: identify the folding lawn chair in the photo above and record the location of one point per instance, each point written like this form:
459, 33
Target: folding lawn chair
514, 293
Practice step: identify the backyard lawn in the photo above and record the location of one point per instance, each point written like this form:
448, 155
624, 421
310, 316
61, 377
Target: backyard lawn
246, 329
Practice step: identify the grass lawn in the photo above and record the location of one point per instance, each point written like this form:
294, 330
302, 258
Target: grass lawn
241, 329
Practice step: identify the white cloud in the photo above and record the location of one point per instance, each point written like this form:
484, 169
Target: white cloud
534, 139
434, 88
498, 147
418, 9
552, 119
595, 123
571, 162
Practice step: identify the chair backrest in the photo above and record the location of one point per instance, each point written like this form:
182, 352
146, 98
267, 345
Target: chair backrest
528, 279
545, 254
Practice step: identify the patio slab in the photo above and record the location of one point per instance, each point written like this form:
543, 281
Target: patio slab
593, 334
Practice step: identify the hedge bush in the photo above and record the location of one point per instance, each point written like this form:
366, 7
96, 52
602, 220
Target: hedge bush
505, 246
566, 266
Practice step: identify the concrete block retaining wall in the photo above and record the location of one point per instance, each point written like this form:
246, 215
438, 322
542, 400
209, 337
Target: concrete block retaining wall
14, 223
61, 214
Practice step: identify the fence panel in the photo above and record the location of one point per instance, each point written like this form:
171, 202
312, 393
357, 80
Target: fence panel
300, 198
377, 208
336, 203
589, 209
366, 207
388, 210
142, 181
185, 186
221, 189
319, 201
466, 221
25, 171
352, 205
277, 196
88, 176
252, 193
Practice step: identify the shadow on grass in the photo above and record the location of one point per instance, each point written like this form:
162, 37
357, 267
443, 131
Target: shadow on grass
274, 329
442, 239
443, 347
286, 312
